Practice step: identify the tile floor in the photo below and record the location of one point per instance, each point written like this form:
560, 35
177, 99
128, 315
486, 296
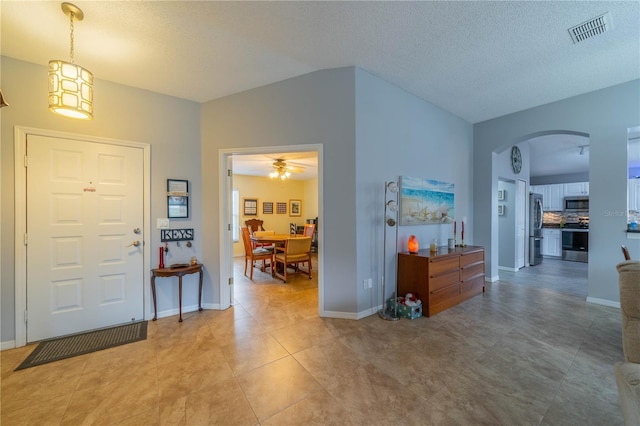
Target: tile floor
517, 355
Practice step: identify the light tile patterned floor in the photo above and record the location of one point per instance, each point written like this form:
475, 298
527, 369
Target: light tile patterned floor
518, 355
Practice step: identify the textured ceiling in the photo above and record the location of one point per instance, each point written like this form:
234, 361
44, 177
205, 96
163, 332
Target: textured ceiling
478, 60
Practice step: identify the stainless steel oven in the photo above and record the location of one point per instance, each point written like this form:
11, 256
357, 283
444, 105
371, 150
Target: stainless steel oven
575, 244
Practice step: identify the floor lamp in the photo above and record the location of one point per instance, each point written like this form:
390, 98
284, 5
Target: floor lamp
391, 218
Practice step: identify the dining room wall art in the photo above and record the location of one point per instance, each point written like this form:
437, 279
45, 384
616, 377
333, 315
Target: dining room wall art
426, 201
281, 208
295, 207
250, 207
267, 207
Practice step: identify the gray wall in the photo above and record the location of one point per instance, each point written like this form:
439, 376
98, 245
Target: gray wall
316, 108
371, 131
170, 125
400, 134
566, 178
605, 115
507, 226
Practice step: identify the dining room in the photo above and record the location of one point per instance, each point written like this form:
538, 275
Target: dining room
278, 193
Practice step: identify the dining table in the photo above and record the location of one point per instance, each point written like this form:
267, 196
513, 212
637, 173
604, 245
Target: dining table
275, 239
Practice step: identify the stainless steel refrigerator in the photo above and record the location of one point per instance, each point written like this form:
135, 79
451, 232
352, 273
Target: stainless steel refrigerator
535, 229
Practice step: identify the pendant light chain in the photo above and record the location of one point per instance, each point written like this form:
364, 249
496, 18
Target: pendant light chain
71, 50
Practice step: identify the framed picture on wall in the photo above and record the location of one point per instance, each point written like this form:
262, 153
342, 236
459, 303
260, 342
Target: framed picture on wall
501, 210
267, 207
295, 207
177, 199
250, 207
501, 194
281, 208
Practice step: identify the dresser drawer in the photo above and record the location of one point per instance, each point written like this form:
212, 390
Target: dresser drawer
472, 287
442, 295
443, 266
444, 280
473, 271
469, 258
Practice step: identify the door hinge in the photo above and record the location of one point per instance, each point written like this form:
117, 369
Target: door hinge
231, 281
228, 227
26, 239
26, 161
229, 172
26, 316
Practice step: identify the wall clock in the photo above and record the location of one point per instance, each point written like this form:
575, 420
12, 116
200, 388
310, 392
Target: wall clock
516, 159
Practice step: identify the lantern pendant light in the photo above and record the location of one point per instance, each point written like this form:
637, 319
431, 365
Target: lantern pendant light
70, 85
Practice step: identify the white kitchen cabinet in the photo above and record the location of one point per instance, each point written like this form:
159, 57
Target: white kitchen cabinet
552, 196
576, 189
551, 242
633, 186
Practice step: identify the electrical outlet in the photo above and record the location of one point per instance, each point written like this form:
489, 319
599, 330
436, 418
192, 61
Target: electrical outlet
370, 282
367, 284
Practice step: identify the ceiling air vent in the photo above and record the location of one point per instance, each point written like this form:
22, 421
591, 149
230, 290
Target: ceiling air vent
591, 28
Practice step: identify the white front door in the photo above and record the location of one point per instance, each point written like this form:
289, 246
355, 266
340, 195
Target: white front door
84, 235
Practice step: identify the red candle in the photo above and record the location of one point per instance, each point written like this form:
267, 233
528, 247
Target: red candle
161, 263
454, 226
462, 232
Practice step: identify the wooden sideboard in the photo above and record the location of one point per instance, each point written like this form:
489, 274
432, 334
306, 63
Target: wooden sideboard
442, 279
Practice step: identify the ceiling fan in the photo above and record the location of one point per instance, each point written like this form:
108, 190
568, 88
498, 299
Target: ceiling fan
282, 170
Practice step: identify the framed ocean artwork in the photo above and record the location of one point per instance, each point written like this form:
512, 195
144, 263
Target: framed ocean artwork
425, 201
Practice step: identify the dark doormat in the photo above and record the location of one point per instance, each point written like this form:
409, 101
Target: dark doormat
77, 344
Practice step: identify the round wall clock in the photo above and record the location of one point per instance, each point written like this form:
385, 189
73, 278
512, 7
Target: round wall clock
516, 159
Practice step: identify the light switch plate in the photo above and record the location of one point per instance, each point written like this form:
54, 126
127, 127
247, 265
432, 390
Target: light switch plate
163, 223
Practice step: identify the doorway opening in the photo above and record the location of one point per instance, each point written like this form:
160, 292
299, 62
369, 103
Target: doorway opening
248, 178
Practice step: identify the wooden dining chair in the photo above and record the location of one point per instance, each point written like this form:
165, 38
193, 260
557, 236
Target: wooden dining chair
251, 254
625, 253
309, 230
296, 251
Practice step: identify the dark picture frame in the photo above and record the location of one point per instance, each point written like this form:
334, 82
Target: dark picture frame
250, 207
267, 207
295, 207
177, 199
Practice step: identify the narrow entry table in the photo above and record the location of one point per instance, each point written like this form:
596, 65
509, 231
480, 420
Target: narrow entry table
175, 272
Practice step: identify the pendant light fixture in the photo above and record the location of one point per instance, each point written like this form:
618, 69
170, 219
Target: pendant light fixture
70, 85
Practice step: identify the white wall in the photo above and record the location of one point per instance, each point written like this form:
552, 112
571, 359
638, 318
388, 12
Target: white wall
170, 125
604, 115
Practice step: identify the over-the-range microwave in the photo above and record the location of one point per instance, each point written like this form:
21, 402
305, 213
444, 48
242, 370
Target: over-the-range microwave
576, 204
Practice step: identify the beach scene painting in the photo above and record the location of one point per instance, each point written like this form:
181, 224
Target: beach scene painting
425, 201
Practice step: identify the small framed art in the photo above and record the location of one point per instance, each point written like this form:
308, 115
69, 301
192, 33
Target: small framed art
177, 199
267, 207
295, 208
250, 207
281, 208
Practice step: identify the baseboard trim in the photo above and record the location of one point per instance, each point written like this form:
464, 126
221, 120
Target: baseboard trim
506, 268
9, 344
491, 279
604, 302
185, 309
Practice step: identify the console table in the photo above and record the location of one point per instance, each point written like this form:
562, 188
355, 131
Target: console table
179, 272
443, 278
